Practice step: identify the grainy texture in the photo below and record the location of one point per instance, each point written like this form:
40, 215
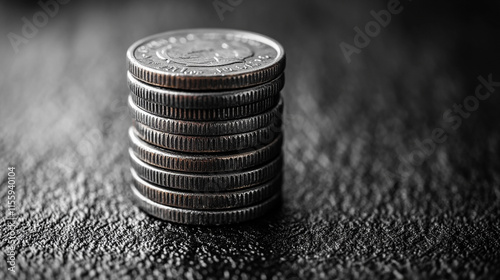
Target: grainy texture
348, 210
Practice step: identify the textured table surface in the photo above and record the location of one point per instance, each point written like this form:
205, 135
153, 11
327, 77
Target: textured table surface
353, 207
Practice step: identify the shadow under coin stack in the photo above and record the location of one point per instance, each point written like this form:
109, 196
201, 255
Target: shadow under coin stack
206, 136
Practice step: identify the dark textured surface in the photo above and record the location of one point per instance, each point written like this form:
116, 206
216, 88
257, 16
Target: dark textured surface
348, 210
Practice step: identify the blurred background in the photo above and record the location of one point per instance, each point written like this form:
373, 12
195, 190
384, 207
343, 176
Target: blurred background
355, 203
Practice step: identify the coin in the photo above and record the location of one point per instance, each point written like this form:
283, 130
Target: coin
214, 114
203, 217
205, 144
206, 59
207, 128
211, 182
204, 162
213, 201
205, 100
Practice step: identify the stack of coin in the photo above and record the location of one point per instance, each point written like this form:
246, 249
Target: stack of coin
206, 136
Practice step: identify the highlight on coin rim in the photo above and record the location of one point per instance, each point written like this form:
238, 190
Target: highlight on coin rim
231, 199
186, 99
209, 82
204, 217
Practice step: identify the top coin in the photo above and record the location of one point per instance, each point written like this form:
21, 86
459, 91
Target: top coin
206, 59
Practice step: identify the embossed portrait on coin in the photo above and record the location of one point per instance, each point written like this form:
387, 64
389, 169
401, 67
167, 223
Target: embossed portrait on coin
207, 53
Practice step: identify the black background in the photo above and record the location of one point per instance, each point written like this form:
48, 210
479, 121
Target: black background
349, 210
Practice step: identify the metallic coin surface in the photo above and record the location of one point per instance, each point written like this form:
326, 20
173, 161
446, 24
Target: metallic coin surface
205, 99
222, 162
206, 182
206, 59
206, 144
207, 128
212, 201
203, 217
215, 114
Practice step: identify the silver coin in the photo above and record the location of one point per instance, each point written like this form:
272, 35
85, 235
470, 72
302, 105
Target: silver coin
206, 59
212, 201
203, 217
223, 162
205, 100
215, 114
212, 128
214, 182
205, 144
